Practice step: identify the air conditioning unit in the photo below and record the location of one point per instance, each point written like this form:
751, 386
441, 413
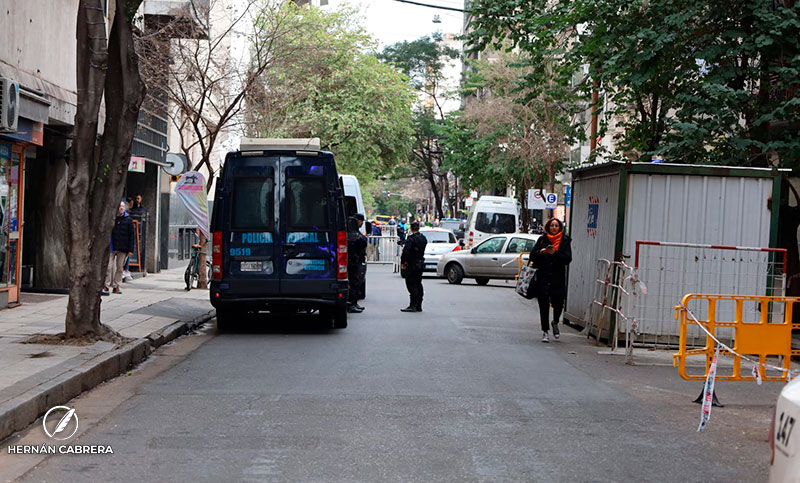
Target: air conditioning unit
9, 104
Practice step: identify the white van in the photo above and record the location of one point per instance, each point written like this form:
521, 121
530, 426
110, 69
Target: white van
491, 215
352, 188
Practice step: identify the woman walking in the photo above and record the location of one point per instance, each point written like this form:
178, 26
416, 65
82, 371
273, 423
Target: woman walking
550, 255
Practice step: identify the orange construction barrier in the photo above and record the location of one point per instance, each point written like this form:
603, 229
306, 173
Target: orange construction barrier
521, 263
751, 339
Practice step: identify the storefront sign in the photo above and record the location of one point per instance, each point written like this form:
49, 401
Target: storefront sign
28, 131
5, 151
137, 164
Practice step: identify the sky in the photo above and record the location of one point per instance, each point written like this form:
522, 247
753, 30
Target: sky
391, 21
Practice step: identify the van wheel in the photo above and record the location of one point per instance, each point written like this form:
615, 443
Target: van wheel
454, 273
340, 317
482, 280
226, 318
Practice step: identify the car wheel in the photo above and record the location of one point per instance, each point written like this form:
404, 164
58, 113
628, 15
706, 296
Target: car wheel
454, 273
481, 280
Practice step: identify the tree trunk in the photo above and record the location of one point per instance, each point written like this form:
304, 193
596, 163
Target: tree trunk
526, 214
202, 273
96, 177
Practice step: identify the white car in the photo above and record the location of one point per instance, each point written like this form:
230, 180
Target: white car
440, 241
783, 441
496, 258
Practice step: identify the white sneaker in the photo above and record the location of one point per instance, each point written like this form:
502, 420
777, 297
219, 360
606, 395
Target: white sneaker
556, 332
126, 276
545, 337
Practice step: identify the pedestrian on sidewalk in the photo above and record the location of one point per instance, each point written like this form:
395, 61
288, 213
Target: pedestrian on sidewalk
412, 265
550, 256
123, 239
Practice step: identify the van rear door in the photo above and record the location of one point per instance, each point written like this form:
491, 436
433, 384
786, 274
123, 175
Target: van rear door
308, 220
249, 243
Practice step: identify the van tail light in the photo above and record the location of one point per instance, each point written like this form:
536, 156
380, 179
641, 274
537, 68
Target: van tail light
471, 238
216, 256
341, 254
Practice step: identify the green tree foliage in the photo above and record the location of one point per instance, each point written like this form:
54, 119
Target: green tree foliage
695, 81
424, 62
332, 89
506, 136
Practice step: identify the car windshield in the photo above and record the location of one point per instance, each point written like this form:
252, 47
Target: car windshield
439, 236
495, 223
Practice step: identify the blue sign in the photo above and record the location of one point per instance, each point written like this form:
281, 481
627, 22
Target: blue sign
567, 195
594, 209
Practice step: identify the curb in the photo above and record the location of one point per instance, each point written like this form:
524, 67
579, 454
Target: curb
18, 413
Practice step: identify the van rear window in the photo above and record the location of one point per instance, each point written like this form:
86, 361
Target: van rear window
306, 203
253, 200
495, 223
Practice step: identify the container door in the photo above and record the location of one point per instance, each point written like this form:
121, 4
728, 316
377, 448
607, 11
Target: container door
249, 244
308, 246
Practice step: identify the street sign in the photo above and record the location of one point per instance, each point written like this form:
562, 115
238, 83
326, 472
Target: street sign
551, 200
535, 199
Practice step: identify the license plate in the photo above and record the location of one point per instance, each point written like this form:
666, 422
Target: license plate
250, 266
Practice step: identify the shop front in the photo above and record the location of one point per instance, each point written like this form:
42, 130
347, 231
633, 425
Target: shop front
12, 167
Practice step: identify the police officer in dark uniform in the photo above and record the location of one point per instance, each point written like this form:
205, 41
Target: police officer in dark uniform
413, 264
356, 256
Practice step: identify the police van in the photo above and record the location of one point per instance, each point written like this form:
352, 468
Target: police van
279, 232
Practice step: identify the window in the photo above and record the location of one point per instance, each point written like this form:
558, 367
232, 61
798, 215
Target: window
253, 200
492, 245
307, 203
520, 245
438, 237
496, 223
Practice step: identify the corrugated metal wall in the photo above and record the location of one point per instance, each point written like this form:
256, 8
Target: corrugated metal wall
695, 209
593, 231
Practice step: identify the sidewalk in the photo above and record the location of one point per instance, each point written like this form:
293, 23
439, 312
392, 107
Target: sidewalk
35, 377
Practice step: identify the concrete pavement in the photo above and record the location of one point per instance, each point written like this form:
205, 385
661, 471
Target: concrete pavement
152, 310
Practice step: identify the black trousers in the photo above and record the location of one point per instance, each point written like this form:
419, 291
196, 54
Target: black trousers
414, 286
544, 310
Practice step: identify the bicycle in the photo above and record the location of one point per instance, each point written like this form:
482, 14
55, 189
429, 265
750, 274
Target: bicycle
192, 273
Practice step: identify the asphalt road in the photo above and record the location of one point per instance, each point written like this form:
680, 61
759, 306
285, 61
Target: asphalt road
461, 392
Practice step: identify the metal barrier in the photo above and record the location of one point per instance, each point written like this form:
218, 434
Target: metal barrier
521, 263
383, 248
616, 294
760, 338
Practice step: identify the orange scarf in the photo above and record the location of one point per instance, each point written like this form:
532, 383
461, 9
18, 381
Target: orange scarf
555, 240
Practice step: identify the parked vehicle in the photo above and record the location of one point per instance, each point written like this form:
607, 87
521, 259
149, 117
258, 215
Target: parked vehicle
279, 234
458, 227
382, 219
494, 258
353, 189
783, 441
491, 215
440, 241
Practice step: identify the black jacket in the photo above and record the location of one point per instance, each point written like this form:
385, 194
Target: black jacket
356, 249
552, 269
123, 237
414, 252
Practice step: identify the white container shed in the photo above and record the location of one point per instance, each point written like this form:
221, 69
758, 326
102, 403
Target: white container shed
616, 204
